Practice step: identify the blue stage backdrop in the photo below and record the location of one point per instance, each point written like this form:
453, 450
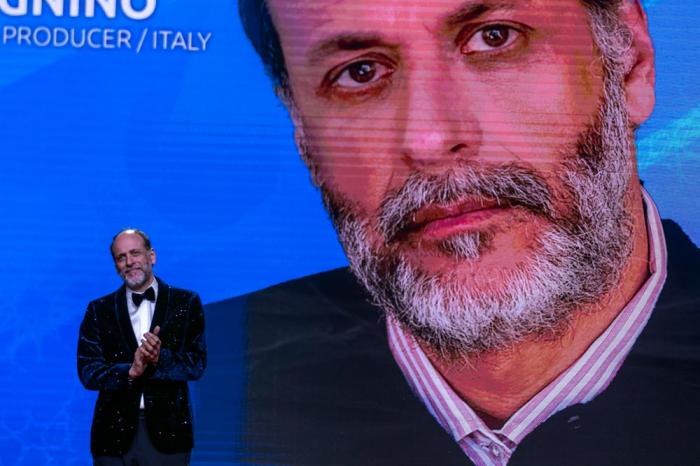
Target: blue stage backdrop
157, 114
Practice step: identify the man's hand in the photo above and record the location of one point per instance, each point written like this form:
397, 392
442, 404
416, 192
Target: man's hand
138, 367
150, 346
147, 353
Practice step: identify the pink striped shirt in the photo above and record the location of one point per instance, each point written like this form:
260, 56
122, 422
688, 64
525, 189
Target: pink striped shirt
580, 383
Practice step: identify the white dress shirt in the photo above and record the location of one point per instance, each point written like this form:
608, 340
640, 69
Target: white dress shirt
141, 316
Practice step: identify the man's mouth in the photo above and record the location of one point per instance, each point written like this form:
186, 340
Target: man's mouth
437, 222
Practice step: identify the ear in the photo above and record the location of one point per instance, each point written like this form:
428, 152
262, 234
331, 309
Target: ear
640, 79
152, 253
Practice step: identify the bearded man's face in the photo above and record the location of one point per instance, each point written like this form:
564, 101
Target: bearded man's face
476, 164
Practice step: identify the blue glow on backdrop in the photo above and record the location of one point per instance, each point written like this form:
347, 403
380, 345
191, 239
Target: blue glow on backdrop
169, 124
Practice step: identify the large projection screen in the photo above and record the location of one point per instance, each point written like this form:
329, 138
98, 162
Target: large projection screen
159, 115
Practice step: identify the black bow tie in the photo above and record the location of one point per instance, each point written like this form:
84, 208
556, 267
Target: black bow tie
138, 298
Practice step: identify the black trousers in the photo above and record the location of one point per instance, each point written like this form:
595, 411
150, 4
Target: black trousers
143, 453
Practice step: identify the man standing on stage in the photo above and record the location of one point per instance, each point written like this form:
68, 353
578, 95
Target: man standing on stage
139, 346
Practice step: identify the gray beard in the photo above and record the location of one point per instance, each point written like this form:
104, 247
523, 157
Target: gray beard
136, 283
574, 262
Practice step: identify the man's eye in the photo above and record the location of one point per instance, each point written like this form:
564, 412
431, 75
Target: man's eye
491, 38
362, 73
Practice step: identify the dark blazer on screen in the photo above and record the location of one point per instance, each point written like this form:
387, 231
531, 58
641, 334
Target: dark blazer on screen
309, 380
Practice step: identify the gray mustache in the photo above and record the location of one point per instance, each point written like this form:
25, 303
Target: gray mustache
507, 184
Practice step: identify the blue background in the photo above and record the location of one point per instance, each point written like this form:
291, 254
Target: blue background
193, 148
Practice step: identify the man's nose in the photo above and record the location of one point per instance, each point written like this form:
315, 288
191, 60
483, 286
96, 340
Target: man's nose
438, 124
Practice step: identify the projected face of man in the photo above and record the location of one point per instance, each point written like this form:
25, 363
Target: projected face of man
474, 157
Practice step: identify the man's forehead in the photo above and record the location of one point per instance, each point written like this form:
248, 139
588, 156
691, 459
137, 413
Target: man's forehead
312, 23
129, 240
436, 8
355, 11
360, 13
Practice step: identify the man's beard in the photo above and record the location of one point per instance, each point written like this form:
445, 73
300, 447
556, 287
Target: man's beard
574, 262
139, 281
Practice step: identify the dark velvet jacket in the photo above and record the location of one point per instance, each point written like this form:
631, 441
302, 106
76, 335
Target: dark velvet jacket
304, 376
106, 348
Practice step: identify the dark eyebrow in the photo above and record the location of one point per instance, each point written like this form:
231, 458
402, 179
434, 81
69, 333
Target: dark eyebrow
347, 42
350, 41
469, 11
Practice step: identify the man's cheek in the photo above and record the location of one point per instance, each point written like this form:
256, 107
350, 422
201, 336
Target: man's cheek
362, 181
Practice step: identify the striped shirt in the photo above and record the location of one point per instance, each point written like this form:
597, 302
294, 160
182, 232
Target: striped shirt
580, 383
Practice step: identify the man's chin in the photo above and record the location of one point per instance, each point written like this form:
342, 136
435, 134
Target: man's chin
135, 282
481, 278
472, 263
